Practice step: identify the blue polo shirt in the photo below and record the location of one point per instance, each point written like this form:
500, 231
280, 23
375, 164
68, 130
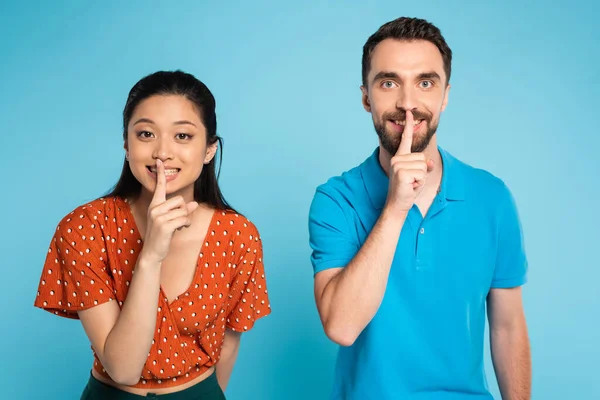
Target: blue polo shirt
426, 340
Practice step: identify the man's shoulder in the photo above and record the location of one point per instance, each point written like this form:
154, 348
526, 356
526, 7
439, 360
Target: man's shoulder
346, 188
477, 180
345, 181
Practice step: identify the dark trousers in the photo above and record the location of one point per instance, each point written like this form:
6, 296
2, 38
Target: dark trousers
208, 389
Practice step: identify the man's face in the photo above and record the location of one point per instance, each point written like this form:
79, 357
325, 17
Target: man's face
405, 76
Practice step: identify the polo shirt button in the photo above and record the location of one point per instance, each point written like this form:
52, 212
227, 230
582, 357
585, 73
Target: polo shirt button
422, 231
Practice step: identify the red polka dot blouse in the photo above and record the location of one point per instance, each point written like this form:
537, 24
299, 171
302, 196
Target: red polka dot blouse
91, 260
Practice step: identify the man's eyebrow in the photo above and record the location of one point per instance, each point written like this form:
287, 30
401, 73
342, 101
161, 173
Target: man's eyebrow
385, 74
430, 75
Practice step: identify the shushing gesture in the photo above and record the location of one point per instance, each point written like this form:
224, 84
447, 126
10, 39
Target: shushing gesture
408, 171
164, 217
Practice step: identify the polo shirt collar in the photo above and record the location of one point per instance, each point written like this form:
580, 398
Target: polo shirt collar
376, 181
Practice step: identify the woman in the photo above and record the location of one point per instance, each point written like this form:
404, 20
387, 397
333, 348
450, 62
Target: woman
162, 273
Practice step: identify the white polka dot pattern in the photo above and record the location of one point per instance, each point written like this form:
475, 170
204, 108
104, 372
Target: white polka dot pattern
91, 259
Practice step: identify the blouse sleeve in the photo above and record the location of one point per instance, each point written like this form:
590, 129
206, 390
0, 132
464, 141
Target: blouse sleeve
75, 275
248, 297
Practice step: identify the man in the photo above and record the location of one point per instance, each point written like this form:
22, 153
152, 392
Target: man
409, 246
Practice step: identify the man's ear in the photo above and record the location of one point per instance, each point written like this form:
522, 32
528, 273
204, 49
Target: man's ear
365, 98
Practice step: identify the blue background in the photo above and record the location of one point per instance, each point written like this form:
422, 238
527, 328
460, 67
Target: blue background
524, 105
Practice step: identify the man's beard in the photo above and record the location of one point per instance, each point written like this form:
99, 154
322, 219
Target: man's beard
390, 141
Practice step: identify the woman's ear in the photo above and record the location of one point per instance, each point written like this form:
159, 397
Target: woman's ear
211, 150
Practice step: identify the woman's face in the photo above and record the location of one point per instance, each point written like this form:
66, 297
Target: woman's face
169, 128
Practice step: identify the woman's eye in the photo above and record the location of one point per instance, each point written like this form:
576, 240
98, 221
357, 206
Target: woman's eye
145, 134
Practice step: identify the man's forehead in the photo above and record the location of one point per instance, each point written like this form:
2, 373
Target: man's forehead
406, 57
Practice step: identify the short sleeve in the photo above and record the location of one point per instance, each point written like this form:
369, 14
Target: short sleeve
329, 234
511, 260
75, 275
249, 298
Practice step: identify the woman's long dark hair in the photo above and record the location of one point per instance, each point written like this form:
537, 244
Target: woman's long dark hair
206, 187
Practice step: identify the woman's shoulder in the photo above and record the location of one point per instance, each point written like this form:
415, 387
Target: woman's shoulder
236, 222
98, 212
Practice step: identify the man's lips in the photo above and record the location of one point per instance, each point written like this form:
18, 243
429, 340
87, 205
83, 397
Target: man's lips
399, 125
